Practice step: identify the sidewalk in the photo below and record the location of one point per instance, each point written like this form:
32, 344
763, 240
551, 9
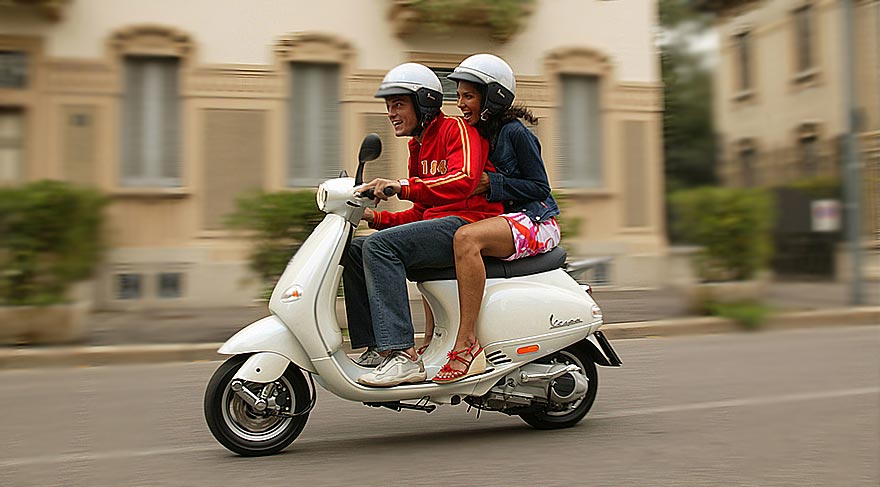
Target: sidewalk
156, 336
213, 325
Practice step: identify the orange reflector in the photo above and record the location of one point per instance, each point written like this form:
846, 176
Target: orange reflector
525, 350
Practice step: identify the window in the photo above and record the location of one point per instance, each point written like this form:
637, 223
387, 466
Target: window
742, 41
449, 86
808, 147
747, 156
315, 130
580, 154
804, 29
128, 286
11, 145
13, 70
170, 285
151, 118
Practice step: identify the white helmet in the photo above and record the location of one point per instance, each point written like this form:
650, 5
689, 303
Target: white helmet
420, 82
493, 73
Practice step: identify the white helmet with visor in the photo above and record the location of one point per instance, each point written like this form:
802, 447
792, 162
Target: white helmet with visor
494, 75
419, 82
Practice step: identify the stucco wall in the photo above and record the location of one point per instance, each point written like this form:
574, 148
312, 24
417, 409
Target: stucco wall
779, 104
243, 31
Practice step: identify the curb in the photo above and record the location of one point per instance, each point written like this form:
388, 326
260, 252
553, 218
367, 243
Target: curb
84, 356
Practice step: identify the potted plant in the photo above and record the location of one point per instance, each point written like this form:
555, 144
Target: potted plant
50, 240
502, 18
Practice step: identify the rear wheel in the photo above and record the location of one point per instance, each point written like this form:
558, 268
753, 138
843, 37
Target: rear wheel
243, 429
567, 415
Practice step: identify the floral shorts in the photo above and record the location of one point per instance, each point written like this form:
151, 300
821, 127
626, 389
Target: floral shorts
530, 238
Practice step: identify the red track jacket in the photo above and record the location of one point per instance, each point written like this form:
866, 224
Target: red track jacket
444, 169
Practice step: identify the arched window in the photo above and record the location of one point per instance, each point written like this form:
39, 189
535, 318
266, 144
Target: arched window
581, 77
317, 64
151, 58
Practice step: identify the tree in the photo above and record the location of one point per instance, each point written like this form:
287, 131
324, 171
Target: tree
688, 129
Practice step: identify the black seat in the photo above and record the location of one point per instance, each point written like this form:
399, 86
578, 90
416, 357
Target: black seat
497, 268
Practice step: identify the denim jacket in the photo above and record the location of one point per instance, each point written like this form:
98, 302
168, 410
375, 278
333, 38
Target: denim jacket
521, 180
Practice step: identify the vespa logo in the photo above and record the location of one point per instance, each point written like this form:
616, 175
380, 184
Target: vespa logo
560, 323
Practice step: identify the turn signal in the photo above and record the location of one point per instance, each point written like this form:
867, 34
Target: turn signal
291, 294
525, 350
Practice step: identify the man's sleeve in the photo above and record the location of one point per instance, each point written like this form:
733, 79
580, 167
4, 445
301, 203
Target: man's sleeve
386, 219
464, 163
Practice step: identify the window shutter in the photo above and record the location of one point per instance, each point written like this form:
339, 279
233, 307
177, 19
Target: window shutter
11, 144
80, 144
132, 132
235, 158
636, 181
580, 147
151, 114
315, 138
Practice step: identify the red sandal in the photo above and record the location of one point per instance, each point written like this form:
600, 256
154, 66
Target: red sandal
473, 358
421, 350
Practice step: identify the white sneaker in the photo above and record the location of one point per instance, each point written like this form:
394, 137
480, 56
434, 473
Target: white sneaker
397, 369
370, 358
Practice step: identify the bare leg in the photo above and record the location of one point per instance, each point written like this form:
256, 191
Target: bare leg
429, 325
492, 238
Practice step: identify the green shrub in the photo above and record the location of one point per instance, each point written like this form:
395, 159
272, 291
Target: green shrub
280, 222
568, 222
50, 237
504, 17
750, 314
733, 226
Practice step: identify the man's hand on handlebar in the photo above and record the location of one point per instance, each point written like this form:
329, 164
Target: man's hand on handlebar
382, 188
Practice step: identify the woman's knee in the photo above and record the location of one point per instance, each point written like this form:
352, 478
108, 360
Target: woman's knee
466, 239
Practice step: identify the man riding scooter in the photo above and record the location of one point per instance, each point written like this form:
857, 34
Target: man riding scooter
446, 160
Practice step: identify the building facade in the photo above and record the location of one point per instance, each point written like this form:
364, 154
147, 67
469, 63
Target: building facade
175, 108
780, 93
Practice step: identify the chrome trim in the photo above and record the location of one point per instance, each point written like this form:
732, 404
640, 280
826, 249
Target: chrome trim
525, 377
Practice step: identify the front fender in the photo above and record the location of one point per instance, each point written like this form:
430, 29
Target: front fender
263, 367
268, 335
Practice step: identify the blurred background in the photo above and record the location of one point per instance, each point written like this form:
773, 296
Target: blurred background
177, 111
158, 161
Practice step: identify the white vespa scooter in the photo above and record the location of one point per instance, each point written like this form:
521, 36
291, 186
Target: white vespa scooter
539, 328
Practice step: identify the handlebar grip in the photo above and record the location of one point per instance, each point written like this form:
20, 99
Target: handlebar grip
389, 191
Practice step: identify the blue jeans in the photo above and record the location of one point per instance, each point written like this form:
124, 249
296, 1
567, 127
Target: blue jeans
376, 299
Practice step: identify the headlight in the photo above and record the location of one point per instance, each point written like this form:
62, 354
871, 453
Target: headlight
321, 197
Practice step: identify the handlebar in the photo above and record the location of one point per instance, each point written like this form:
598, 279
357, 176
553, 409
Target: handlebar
389, 191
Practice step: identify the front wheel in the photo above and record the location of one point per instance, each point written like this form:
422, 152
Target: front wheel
244, 430
569, 414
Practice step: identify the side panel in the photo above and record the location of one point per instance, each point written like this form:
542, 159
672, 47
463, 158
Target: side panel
312, 268
268, 335
548, 309
517, 309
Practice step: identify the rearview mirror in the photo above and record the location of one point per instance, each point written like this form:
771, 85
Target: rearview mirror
371, 148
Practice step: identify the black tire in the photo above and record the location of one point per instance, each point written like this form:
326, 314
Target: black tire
546, 419
242, 429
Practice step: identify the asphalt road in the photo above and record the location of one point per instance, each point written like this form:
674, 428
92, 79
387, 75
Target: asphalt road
795, 408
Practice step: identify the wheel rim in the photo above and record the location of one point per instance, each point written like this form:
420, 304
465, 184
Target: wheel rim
564, 357
250, 424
